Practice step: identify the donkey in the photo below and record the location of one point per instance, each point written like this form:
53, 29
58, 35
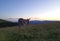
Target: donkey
23, 22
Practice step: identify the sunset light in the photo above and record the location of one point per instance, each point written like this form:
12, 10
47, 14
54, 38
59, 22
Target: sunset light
36, 10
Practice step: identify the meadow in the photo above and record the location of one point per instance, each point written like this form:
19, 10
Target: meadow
38, 32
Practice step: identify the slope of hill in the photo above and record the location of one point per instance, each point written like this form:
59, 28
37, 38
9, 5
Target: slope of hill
4, 23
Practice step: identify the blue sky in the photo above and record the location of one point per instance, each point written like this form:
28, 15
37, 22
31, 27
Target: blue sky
35, 9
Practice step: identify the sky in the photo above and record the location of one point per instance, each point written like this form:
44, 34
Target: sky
34, 9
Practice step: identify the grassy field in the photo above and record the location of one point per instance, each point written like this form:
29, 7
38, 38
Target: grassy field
39, 32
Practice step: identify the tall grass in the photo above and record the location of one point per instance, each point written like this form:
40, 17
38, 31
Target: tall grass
43, 32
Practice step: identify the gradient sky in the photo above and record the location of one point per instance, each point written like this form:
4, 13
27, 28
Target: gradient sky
35, 9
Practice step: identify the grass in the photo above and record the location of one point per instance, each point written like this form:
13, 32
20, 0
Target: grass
39, 32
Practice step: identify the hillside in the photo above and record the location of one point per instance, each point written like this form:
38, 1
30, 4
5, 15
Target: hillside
37, 32
4, 23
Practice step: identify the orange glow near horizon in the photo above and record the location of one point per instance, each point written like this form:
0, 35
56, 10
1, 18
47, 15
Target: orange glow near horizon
44, 18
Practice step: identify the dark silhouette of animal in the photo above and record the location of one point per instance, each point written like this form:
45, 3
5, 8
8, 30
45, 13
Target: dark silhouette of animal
23, 22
